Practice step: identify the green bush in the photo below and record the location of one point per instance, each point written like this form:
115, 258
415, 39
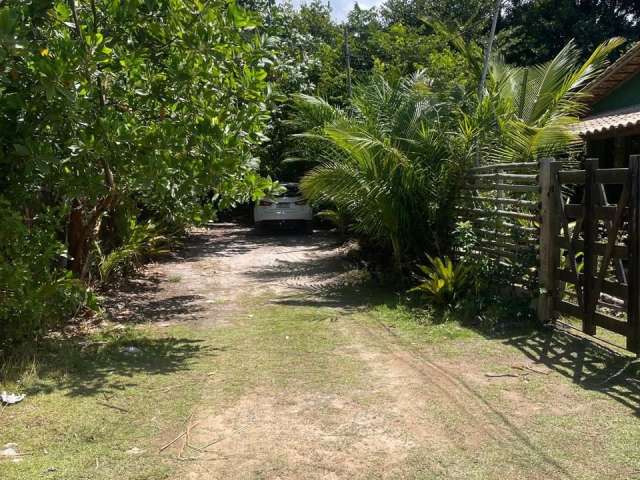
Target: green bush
444, 283
36, 293
143, 242
393, 163
337, 217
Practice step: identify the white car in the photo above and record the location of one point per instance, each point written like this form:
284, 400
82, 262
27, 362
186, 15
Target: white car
289, 207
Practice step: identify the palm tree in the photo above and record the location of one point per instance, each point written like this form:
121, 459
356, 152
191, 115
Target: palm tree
527, 113
535, 107
388, 161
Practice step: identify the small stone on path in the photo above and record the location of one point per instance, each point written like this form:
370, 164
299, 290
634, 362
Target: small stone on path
135, 451
10, 450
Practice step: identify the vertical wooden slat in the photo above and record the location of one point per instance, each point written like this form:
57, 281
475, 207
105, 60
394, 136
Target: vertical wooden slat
633, 305
497, 218
570, 242
549, 227
589, 233
617, 263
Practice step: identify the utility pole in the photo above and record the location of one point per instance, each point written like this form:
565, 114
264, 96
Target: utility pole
485, 65
347, 54
487, 50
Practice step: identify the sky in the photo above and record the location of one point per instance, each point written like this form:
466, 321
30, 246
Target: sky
340, 8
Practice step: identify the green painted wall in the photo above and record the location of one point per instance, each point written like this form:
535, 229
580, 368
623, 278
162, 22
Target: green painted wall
626, 95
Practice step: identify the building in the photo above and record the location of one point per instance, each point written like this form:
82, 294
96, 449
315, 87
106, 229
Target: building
611, 128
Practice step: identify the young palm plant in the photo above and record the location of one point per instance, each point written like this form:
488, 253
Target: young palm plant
389, 161
527, 113
537, 106
443, 283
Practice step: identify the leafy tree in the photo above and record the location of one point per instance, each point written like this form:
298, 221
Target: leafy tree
153, 109
310, 53
314, 18
536, 106
404, 50
302, 58
527, 112
533, 32
105, 100
363, 25
470, 18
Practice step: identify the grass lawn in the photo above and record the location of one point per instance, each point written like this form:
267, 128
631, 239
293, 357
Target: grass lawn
98, 409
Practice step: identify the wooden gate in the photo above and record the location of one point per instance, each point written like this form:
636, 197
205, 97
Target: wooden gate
590, 247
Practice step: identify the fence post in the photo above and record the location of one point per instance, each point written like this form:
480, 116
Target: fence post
549, 227
589, 233
633, 304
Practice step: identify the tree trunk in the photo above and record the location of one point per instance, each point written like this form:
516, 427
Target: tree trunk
397, 254
83, 224
78, 238
82, 230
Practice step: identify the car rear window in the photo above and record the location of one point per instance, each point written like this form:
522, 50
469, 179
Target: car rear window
293, 190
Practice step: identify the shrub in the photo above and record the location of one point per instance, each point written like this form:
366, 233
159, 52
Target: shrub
444, 284
36, 293
143, 242
392, 162
337, 217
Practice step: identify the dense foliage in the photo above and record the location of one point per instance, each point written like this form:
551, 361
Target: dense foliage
124, 121
390, 159
534, 31
119, 110
393, 157
442, 37
535, 106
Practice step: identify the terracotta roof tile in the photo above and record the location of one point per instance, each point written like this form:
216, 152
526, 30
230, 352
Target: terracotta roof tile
617, 73
609, 122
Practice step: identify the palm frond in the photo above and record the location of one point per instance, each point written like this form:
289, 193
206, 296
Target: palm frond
540, 104
386, 163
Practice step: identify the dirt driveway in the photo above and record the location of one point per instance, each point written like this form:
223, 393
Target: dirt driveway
321, 381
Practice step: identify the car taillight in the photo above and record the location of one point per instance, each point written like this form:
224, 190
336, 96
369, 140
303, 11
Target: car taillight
301, 202
265, 203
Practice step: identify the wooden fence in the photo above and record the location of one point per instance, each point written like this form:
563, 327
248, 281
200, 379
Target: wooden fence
502, 203
575, 235
590, 247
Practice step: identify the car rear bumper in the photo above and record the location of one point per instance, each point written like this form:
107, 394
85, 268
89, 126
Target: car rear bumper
284, 224
283, 214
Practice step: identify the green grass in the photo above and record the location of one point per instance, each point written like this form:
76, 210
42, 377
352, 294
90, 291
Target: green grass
571, 423
418, 324
89, 401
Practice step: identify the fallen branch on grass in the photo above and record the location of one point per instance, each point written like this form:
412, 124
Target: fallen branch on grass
120, 409
173, 441
186, 432
531, 369
190, 425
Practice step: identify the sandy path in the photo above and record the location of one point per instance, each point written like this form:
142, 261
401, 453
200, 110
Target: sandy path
220, 265
406, 414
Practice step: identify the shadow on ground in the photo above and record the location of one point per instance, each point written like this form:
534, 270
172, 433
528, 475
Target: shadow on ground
222, 241
137, 298
136, 301
335, 284
590, 365
88, 366
346, 297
